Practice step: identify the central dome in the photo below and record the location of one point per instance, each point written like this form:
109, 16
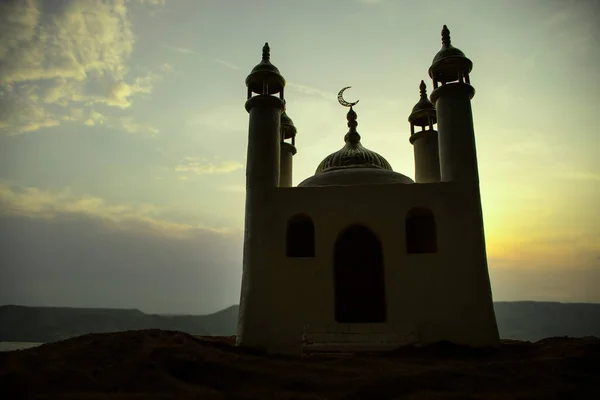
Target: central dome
354, 164
353, 154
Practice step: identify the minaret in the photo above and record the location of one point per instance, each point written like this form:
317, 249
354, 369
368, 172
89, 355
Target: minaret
262, 174
425, 141
288, 149
452, 100
458, 164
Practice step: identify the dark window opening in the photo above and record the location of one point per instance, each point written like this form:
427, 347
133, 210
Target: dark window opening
421, 235
300, 237
359, 277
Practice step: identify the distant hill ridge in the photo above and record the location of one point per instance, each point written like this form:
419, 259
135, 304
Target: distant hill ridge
522, 320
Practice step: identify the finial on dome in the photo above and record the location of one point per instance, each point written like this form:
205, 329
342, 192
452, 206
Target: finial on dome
445, 36
352, 136
449, 64
266, 52
423, 89
424, 111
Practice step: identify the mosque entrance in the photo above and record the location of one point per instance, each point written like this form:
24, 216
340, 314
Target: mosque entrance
359, 282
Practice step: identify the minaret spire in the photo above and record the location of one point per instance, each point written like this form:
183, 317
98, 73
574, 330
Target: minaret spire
352, 136
266, 52
423, 89
446, 36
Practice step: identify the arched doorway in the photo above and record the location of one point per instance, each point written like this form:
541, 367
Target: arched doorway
359, 277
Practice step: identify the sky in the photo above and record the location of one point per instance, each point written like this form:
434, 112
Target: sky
123, 135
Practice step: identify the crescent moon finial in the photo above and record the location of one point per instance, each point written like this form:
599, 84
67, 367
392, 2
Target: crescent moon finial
343, 102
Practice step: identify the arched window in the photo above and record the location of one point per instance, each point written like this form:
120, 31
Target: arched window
421, 235
300, 237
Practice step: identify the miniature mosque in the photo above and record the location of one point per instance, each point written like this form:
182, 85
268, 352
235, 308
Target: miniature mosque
358, 256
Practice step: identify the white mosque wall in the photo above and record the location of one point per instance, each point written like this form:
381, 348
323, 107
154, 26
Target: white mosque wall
438, 296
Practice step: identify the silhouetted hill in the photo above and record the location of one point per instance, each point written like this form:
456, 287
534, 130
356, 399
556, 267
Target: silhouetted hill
524, 320
155, 364
533, 320
50, 324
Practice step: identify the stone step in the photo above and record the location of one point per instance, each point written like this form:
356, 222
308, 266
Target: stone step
349, 347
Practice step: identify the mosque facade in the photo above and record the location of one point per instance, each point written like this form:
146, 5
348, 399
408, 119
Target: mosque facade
358, 256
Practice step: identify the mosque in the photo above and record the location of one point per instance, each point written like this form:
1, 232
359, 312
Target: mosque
358, 256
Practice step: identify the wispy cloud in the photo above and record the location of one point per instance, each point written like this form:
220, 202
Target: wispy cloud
183, 50
226, 63
93, 118
202, 166
152, 2
310, 91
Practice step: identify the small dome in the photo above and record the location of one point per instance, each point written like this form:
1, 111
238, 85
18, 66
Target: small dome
287, 126
424, 110
265, 72
356, 175
449, 61
353, 154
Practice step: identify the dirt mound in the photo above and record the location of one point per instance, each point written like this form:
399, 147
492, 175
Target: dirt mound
154, 364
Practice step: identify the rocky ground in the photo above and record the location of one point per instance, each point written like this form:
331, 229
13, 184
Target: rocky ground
155, 364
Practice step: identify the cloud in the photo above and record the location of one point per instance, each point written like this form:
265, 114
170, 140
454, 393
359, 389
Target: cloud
68, 41
95, 118
47, 204
181, 50
127, 124
203, 166
65, 54
20, 111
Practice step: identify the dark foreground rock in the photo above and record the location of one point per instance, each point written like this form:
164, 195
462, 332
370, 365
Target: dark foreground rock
155, 364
